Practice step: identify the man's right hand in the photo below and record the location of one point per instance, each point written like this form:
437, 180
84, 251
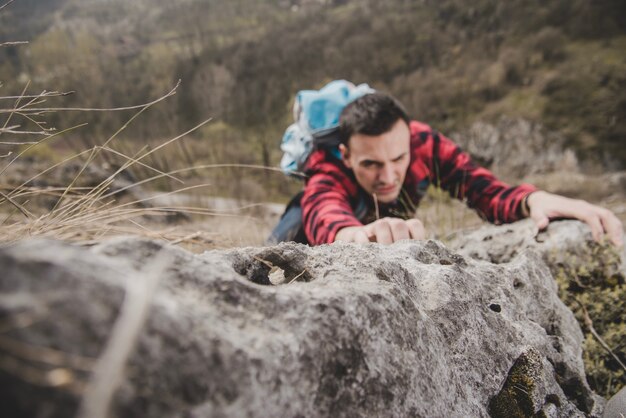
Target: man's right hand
384, 231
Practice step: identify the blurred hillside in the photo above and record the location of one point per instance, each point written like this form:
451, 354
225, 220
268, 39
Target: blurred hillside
560, 63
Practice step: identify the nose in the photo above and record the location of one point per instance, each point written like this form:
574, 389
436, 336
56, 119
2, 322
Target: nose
387, 175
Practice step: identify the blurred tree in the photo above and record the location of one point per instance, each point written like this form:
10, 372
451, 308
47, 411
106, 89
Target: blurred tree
241, 61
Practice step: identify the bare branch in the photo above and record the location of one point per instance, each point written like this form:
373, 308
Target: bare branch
18, 143
6, 4
136, 161
42, 94
13, 43
11, 131
44, 139
87, 109
589, 324
6, 122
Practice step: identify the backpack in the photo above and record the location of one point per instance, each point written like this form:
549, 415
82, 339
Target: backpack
316, 122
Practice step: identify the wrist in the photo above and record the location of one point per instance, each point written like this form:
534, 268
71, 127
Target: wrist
524, 206
344, 234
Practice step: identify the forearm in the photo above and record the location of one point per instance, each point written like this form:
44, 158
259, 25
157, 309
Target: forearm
501, 203
326, 210
495, 200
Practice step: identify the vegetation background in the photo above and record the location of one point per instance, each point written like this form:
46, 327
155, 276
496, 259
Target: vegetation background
561, 63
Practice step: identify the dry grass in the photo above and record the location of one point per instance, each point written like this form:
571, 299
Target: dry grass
444, 217
89, 214
86, 214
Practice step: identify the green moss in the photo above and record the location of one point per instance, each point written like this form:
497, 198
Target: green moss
519, 397
591, 281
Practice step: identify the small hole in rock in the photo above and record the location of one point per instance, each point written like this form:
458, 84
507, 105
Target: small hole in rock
553, 399
517, 283
273, 267
495, 307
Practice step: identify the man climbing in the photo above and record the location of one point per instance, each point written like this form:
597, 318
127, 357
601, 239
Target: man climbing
369, 190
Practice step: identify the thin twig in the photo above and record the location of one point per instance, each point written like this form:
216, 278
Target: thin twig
39, 124
42, 94
187, 238
13, 43
44, 139
6, 4
197, 167
11, 131
589, 324
21, 208
109, 369
260, 260
6, 122
20, 187
176, 138
297, 277
136, 161
91, 109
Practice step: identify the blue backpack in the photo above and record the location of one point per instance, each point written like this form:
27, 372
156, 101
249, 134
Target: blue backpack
316, 122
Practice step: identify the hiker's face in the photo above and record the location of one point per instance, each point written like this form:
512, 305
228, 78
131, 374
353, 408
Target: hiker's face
380, 162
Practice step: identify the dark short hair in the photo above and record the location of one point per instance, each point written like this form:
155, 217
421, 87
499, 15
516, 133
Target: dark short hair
372, 114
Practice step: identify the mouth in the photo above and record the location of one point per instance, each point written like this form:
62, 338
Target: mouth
385, 190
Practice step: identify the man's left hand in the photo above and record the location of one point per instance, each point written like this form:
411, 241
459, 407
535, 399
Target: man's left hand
544, 206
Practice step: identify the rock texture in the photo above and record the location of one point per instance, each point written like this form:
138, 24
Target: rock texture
502, 243
592, 282
410, 329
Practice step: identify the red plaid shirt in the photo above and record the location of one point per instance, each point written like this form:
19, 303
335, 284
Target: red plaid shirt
334, 200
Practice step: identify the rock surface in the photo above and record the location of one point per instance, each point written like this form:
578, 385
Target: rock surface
501, 243
410, 329
592, 282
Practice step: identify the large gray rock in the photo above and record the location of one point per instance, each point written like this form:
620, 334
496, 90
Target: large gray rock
410, 329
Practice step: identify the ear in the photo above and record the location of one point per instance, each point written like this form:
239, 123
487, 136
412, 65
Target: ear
345, 155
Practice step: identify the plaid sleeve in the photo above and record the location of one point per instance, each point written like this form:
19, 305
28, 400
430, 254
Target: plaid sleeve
326, 201
453, 170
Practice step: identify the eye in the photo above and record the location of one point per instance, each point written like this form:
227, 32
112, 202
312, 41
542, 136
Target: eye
369, 164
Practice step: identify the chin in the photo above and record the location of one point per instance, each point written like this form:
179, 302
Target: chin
387, 198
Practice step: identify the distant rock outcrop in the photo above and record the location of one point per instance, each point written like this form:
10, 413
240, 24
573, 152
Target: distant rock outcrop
515, 148
410, 329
